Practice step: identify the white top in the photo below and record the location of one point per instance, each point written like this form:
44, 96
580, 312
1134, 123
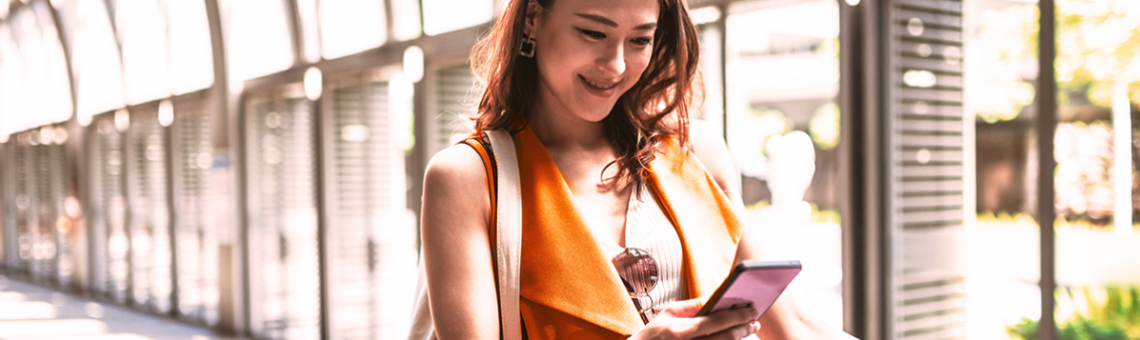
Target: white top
647, 228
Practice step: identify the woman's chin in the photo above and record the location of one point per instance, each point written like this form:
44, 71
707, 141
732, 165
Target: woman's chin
594, 116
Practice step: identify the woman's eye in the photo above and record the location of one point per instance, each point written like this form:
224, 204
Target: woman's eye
643, 41
593, 34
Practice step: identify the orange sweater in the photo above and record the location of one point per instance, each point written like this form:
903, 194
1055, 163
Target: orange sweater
568, 289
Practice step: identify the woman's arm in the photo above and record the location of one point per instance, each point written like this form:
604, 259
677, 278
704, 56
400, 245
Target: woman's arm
785, 320
456, 246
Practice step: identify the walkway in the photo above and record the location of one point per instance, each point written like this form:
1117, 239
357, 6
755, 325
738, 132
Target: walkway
28, 311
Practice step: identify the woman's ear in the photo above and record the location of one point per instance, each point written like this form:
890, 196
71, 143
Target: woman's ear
533, 11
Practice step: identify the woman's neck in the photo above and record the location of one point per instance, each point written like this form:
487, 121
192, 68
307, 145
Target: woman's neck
558, 128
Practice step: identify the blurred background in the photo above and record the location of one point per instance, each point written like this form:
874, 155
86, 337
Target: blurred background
254, 167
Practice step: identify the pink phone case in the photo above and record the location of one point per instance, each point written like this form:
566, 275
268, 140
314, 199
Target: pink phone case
752, 284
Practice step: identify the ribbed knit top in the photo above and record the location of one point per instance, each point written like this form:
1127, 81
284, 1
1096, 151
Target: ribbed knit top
647, 228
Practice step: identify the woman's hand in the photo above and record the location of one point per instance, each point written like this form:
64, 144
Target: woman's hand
679, 321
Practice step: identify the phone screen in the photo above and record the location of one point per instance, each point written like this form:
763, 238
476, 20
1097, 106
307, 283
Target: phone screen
754, 284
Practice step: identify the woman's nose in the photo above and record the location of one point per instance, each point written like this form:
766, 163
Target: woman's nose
613, 60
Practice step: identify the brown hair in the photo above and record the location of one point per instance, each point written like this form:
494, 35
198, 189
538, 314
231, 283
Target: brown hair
655, 108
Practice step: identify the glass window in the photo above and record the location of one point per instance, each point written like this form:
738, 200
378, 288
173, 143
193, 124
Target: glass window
441, 16
95, 63
11, 82
782, 82
148, 202
405, 19
350, 26
285, 297
191, 52
1003, 255
197, 227
711, 50
141, 27
1098, 90
46, 86
453, 100
259, 40
373, 247
110, 246
310, 39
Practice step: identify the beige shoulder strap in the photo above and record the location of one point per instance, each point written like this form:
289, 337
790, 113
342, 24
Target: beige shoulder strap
508, 229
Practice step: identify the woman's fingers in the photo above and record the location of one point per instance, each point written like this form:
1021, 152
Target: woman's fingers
678, 321
684, 308
734, 333
726, 319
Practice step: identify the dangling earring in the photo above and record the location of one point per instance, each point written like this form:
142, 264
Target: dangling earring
528, 47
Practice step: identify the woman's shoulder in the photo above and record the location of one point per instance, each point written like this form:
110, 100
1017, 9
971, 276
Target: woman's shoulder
709, 147
456, 167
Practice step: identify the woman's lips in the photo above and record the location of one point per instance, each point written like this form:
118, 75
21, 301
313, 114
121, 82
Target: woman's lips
601, 89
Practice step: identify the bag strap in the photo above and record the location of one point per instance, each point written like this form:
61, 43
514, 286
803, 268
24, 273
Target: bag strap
508, 232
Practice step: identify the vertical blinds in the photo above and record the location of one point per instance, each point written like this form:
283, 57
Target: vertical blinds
371, 235
59, 222
927, 169
22, 261
42, 231
454, 102
51, 260
282, 235
196, 249
110, 245
7, 243
149, 223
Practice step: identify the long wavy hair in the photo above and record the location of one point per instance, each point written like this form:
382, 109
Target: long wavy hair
655, 108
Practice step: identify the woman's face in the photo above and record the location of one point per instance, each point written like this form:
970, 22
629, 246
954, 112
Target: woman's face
590, 52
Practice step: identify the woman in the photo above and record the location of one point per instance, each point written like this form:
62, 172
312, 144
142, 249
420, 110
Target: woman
596, 94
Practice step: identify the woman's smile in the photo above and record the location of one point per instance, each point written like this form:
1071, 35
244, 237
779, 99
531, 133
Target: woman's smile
599, 88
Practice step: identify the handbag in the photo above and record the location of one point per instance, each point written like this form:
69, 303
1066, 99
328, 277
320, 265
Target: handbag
508, 245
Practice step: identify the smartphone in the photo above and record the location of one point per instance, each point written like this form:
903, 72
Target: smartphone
754, 284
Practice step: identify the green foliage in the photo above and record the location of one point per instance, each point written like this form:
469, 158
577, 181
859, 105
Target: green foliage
1113, 313
1098, 44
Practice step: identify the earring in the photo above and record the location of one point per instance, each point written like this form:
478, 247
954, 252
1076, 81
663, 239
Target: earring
528, 47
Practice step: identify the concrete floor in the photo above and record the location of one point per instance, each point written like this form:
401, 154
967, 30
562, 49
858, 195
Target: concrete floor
28, 311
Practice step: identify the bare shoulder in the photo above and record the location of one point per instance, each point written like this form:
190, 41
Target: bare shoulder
456, 163
710, 148
455, 179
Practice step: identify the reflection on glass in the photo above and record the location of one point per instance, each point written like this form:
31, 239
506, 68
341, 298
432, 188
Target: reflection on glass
441, 16
350, 26
1098, 248
783, 78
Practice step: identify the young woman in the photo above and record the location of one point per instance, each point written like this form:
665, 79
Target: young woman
596, 94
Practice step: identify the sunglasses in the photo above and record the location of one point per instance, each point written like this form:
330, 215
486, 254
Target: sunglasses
638, 271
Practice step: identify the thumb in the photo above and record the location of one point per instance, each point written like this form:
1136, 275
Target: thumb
686, 308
